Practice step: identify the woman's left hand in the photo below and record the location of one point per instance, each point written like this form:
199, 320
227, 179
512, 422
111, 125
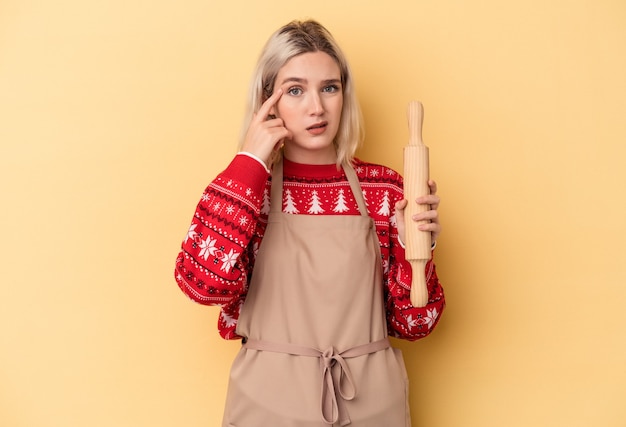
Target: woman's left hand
431, 216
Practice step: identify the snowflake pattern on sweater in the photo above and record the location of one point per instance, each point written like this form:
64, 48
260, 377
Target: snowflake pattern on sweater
217, 254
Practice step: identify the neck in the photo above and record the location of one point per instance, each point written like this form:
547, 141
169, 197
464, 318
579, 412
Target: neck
326, 156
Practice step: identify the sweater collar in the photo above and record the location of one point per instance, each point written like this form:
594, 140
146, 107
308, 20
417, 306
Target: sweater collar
310, 171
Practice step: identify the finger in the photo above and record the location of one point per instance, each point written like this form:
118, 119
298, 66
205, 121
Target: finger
432, 216
265, 109
434, 229
431, 226
432, 200
428, 199
284, 134
433, 186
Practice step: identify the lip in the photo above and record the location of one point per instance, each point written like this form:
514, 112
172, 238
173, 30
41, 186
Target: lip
317, 128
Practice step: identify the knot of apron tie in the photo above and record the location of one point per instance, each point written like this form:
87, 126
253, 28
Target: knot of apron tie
334, 394
332, 408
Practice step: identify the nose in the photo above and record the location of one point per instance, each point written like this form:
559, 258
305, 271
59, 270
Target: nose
316, 104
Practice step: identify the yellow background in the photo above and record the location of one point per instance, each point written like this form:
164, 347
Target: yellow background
114, 115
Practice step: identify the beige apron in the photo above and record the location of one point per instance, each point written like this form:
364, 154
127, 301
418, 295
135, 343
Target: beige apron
315, 350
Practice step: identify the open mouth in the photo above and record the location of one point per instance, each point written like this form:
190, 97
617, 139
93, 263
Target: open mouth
317, 126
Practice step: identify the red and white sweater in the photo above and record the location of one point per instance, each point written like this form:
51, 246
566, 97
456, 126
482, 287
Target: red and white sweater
218, 253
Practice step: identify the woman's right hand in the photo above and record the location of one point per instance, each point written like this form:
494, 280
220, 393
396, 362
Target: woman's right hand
265, 134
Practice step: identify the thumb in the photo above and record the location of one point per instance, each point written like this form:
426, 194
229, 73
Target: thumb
401, 205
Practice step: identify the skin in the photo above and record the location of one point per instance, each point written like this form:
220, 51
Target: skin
307, 103
310, 107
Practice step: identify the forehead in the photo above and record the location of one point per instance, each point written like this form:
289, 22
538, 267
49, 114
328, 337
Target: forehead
310, 66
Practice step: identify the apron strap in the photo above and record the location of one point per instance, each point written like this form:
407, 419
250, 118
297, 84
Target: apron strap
276, 191
356, 188
334, 394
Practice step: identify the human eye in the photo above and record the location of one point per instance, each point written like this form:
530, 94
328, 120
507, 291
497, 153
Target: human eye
295, 91
331, 88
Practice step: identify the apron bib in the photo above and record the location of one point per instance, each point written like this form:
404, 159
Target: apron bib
315, 351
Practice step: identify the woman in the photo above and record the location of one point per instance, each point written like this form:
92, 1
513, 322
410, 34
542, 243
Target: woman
300, 245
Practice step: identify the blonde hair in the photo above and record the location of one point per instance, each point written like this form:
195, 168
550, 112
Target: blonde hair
291, 40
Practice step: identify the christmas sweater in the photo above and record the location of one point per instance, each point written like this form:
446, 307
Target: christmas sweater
217, 255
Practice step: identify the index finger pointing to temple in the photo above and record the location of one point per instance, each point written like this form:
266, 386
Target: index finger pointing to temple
268, 104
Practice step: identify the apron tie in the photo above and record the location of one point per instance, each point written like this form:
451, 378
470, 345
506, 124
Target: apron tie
333, 394
332, 407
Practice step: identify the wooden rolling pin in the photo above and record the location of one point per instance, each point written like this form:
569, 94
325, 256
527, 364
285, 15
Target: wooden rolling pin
418, 243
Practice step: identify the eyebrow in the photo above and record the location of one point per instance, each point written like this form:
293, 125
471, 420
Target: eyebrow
304, 81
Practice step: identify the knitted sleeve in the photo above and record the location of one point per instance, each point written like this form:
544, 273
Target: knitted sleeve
217, 254
404, 320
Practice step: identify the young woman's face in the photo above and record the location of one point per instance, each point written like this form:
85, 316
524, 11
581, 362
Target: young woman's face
310, 106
